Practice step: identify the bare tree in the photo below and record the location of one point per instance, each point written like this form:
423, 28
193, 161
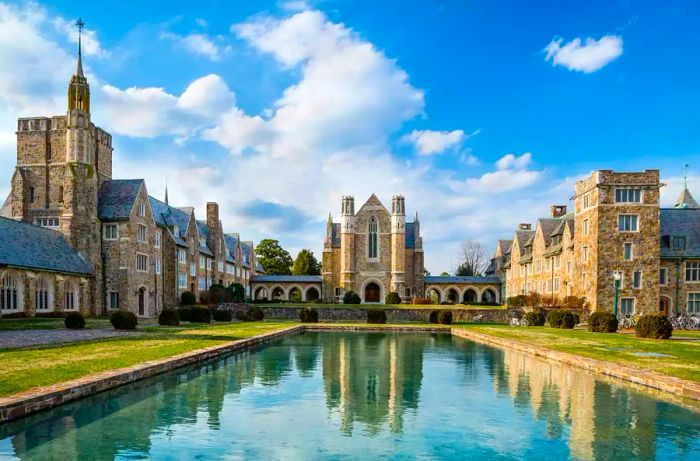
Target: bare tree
474, 261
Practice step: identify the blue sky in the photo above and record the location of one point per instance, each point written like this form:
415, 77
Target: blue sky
481, 113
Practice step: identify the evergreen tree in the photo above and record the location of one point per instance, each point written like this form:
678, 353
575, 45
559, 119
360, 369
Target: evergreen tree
306, 264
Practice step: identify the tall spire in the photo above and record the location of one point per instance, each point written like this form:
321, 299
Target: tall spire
686, 200
80, 24
166, 191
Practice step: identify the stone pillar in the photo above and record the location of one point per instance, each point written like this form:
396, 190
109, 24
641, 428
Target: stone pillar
398, 245
347, 243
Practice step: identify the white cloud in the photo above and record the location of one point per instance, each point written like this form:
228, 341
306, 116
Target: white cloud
296, 5
589, 57
510, 161
199, 44
512, 173
430, 142
201, 22
90, 43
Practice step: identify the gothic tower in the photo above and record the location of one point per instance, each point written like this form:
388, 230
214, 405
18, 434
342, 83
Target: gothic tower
347, 243
398, 244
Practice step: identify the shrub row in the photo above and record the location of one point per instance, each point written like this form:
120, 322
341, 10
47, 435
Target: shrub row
254, 314
536, 300
562, 319
535, 318
602, 322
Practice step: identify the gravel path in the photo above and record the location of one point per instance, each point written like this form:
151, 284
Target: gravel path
24, 338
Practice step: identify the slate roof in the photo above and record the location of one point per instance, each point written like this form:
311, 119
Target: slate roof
35, 247
444, 279
246, 248
116, 199
506, 245
548, 225
686, 200
287, 278
335, 236
167, 216
681, 222
523, 236
259, 268
204, 232
410, 235
231, 241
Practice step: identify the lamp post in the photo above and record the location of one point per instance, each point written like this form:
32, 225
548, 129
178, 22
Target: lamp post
616, 277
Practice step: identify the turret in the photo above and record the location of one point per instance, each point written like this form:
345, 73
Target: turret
398, 244
347, 241
79, 133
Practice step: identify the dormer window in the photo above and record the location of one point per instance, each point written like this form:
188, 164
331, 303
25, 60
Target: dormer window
176, 230
202, 242
142, 209
678, 242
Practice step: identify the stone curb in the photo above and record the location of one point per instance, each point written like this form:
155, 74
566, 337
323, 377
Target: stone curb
32, 401
678, 387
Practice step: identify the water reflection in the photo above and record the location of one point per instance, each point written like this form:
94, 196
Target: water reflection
401, 394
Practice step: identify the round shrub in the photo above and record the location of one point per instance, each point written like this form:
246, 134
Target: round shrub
204, 297
392, 298
242, 316
123, 320
602, 322
184, 314
351, 297
216, 293
74, 321
445, 317
200, 315
255, 314
238, 292
376, 316
307, 315
653, 326
188, 298
221, 315
535, 318
169, 317
561, 319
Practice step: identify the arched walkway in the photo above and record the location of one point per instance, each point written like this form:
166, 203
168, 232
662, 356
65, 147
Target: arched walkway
470, 296
278, 293
294, 294
489, 296
311, 294
260, 293
452, 295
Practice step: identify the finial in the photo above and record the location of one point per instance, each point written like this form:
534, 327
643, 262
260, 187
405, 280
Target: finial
330, 218
80, 24
166, 191
685, 176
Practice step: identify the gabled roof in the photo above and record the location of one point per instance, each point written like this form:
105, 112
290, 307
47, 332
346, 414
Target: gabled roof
506, 245
166, 216
373, 200
203, 230
335, 235
444, 279
410, 235
35, 247
522, 236
231, 241
683, 222
116, 199
548, 225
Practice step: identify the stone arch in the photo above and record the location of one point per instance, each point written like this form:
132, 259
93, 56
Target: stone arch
261, 292
489, 295
311, 293
43, 294
452, 294
142, 302
278, 292
11, 292
299, 292
434, 289
378, 283
470, 295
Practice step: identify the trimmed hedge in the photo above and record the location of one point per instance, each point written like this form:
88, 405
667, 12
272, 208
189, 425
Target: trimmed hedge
422, 301
221, 315
242, 316
602, 322
653, 326
74, 321
50, 315
200, 315
392, 298
535, 318
14, 315
351, 298
123, 320
307, 315
255, 314
184, 314
377, 316
561, 319
169, 317
188, 298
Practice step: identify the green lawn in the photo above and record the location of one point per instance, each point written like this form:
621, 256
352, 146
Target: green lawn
378, 306
26, 368
35, 323
681, 357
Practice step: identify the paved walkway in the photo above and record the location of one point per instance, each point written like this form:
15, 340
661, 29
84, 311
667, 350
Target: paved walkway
24, 338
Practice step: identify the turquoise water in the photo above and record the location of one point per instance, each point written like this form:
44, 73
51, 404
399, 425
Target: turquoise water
363, 396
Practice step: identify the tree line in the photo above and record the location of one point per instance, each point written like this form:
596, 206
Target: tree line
277, 261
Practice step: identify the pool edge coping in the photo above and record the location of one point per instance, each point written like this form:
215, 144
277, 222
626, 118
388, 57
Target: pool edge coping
43, 398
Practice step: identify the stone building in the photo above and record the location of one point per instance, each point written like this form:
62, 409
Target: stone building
80, 240
617, 228
372, 252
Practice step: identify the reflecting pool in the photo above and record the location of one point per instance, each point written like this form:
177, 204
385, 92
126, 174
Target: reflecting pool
364, 396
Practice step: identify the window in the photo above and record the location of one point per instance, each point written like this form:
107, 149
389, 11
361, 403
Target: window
31, 195
141, 262
176, 230
373, 239
693, 303
202, 262
192, 270
622, 279
627, 306
157, 261
556, 284
338, 292
114, 300
158, 237
627, 223
663, 276
568, 267
10, 293
43, 295
548, 264
584, 254
585, 227
692, 272
628, 195
60, 194
529, 268
637, 280
208, 263
142, 209
220, 266
202, 282
141, 233
586, 201
557, 261
70, 298
181, 255
538, 266
408, 292
202, 242
181, 280
48, 222
627, 251
678, 243
111, 232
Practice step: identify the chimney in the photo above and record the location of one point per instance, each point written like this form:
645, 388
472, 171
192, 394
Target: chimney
524, 226
213, 224
558, 211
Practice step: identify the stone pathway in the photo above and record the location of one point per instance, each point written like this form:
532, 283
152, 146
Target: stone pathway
24, 338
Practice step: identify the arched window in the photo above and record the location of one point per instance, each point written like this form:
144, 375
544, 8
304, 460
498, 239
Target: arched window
10, 293
70, 296
43, 296
373, 240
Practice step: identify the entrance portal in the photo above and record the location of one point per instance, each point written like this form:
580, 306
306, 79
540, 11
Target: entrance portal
142, 301
372, 293
664, 305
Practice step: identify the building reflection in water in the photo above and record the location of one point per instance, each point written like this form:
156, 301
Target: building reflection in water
371, 382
